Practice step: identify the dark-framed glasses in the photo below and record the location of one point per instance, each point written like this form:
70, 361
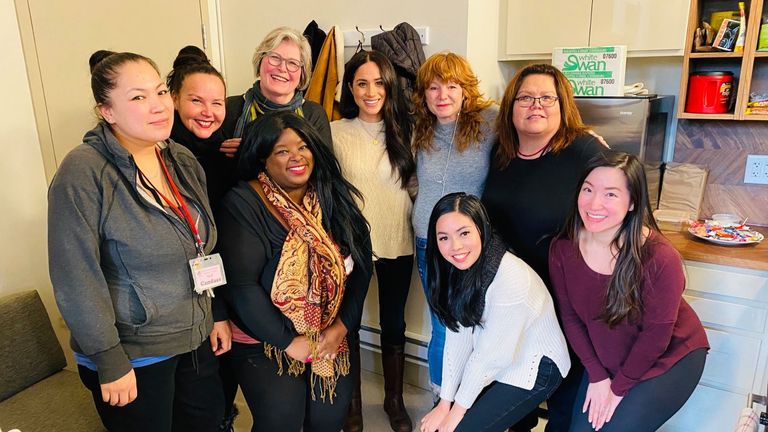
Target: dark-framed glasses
545, 101
276, 60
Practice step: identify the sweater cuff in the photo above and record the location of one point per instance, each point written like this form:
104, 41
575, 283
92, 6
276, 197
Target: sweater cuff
621, 384
111, 364
596, 372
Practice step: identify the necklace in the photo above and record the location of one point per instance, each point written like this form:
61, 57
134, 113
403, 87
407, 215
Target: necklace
374, 137
519, 153
448, 158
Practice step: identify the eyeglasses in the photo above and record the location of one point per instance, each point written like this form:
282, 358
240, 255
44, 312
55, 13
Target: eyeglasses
545, 101
276, 59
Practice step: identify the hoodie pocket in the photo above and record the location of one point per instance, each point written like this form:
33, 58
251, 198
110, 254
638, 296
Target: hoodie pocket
133, 309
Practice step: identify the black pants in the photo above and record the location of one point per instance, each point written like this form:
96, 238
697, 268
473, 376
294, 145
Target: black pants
649, 404
182, 393
283, 402
394, 278
501, 405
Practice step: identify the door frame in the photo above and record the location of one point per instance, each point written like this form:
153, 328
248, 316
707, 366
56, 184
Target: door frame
210, 28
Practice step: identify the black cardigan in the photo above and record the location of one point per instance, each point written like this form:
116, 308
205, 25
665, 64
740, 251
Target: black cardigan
250, 242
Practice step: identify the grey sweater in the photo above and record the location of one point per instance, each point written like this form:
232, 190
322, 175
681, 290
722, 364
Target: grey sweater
119, 264
444, 169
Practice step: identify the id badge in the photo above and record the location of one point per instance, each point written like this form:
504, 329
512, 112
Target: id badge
207, 273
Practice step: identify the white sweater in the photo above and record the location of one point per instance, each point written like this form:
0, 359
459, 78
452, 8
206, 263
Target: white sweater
364, 163
519, 327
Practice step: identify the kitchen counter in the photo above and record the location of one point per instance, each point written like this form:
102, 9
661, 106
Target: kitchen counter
694, 249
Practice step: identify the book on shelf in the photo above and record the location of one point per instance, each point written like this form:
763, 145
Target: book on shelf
726, 36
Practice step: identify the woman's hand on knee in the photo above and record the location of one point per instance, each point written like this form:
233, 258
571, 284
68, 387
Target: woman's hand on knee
597, 401
120, 392
432, 421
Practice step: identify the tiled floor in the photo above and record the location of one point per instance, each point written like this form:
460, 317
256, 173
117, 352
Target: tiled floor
418, 401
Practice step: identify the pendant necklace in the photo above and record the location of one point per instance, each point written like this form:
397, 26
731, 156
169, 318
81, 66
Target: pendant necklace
374, 137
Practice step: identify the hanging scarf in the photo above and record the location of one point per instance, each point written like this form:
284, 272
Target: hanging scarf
309, 284
256, 104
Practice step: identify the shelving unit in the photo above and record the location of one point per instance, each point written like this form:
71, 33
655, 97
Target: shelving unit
749, 68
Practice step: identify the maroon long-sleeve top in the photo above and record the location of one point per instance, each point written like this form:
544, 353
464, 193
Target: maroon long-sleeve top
631, 352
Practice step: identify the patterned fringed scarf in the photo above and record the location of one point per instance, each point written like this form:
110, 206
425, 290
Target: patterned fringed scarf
308, 285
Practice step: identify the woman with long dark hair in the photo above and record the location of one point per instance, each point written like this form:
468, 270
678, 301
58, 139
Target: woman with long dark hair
298, 267
504, 350
372, 143
619, 285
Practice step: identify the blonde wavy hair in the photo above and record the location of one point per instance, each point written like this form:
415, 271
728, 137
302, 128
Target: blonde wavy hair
448, 67
275, 38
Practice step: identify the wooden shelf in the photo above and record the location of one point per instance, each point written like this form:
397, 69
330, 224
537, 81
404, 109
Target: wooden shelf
696, 116
741, 64
715, 54
761, 117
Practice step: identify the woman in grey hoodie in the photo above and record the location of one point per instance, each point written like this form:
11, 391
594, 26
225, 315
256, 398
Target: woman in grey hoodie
128, 217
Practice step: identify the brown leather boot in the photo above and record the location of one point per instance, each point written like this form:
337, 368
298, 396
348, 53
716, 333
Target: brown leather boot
393, 361
354, 422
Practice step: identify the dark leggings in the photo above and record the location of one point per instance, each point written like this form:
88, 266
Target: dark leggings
394, 279
501, 405
284, 402
182, 393
649, 404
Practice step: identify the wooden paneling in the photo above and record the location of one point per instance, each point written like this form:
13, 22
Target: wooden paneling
723, 147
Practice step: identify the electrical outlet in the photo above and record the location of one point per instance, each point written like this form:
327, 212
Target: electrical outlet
756, 170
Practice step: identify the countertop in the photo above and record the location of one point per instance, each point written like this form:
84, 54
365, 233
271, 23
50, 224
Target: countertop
753, 256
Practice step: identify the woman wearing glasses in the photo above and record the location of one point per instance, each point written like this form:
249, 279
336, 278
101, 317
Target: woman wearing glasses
543, 149
282, 64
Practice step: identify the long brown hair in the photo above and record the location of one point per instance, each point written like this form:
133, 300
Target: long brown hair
623, 300
571, 125
448, 67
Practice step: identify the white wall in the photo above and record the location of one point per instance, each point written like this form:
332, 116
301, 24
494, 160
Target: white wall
483, 20
245, 23
23, 256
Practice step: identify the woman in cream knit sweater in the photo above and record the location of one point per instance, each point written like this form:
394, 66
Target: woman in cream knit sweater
372, 145
504, 350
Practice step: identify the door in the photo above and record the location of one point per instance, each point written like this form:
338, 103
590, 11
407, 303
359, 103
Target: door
66, 33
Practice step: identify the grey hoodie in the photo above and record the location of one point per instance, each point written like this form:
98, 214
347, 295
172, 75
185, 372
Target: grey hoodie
119, 265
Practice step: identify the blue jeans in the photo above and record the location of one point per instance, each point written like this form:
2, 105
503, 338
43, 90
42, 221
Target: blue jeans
437, 341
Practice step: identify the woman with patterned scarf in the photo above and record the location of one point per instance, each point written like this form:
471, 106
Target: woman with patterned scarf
282, 64
298, 256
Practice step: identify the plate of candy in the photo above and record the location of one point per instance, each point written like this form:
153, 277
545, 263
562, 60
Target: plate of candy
725, 232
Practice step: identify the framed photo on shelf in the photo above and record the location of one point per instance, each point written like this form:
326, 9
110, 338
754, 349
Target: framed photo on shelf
726, 36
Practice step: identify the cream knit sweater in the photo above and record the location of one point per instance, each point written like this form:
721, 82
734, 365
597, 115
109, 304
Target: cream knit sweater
519, 327
361, 151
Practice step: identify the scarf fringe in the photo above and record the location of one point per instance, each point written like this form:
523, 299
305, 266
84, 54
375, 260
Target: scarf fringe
326, 384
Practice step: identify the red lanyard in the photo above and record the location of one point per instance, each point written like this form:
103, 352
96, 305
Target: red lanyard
182, 213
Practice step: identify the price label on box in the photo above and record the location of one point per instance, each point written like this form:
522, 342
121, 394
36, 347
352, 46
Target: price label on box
593, 71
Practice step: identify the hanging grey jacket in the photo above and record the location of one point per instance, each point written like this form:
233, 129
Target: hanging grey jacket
119, 264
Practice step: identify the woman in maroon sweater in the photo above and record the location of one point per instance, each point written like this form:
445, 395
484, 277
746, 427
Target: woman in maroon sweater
619, 285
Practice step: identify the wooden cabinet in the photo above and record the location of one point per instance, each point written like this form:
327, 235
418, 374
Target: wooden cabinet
749, 68
646, 27
732, 304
